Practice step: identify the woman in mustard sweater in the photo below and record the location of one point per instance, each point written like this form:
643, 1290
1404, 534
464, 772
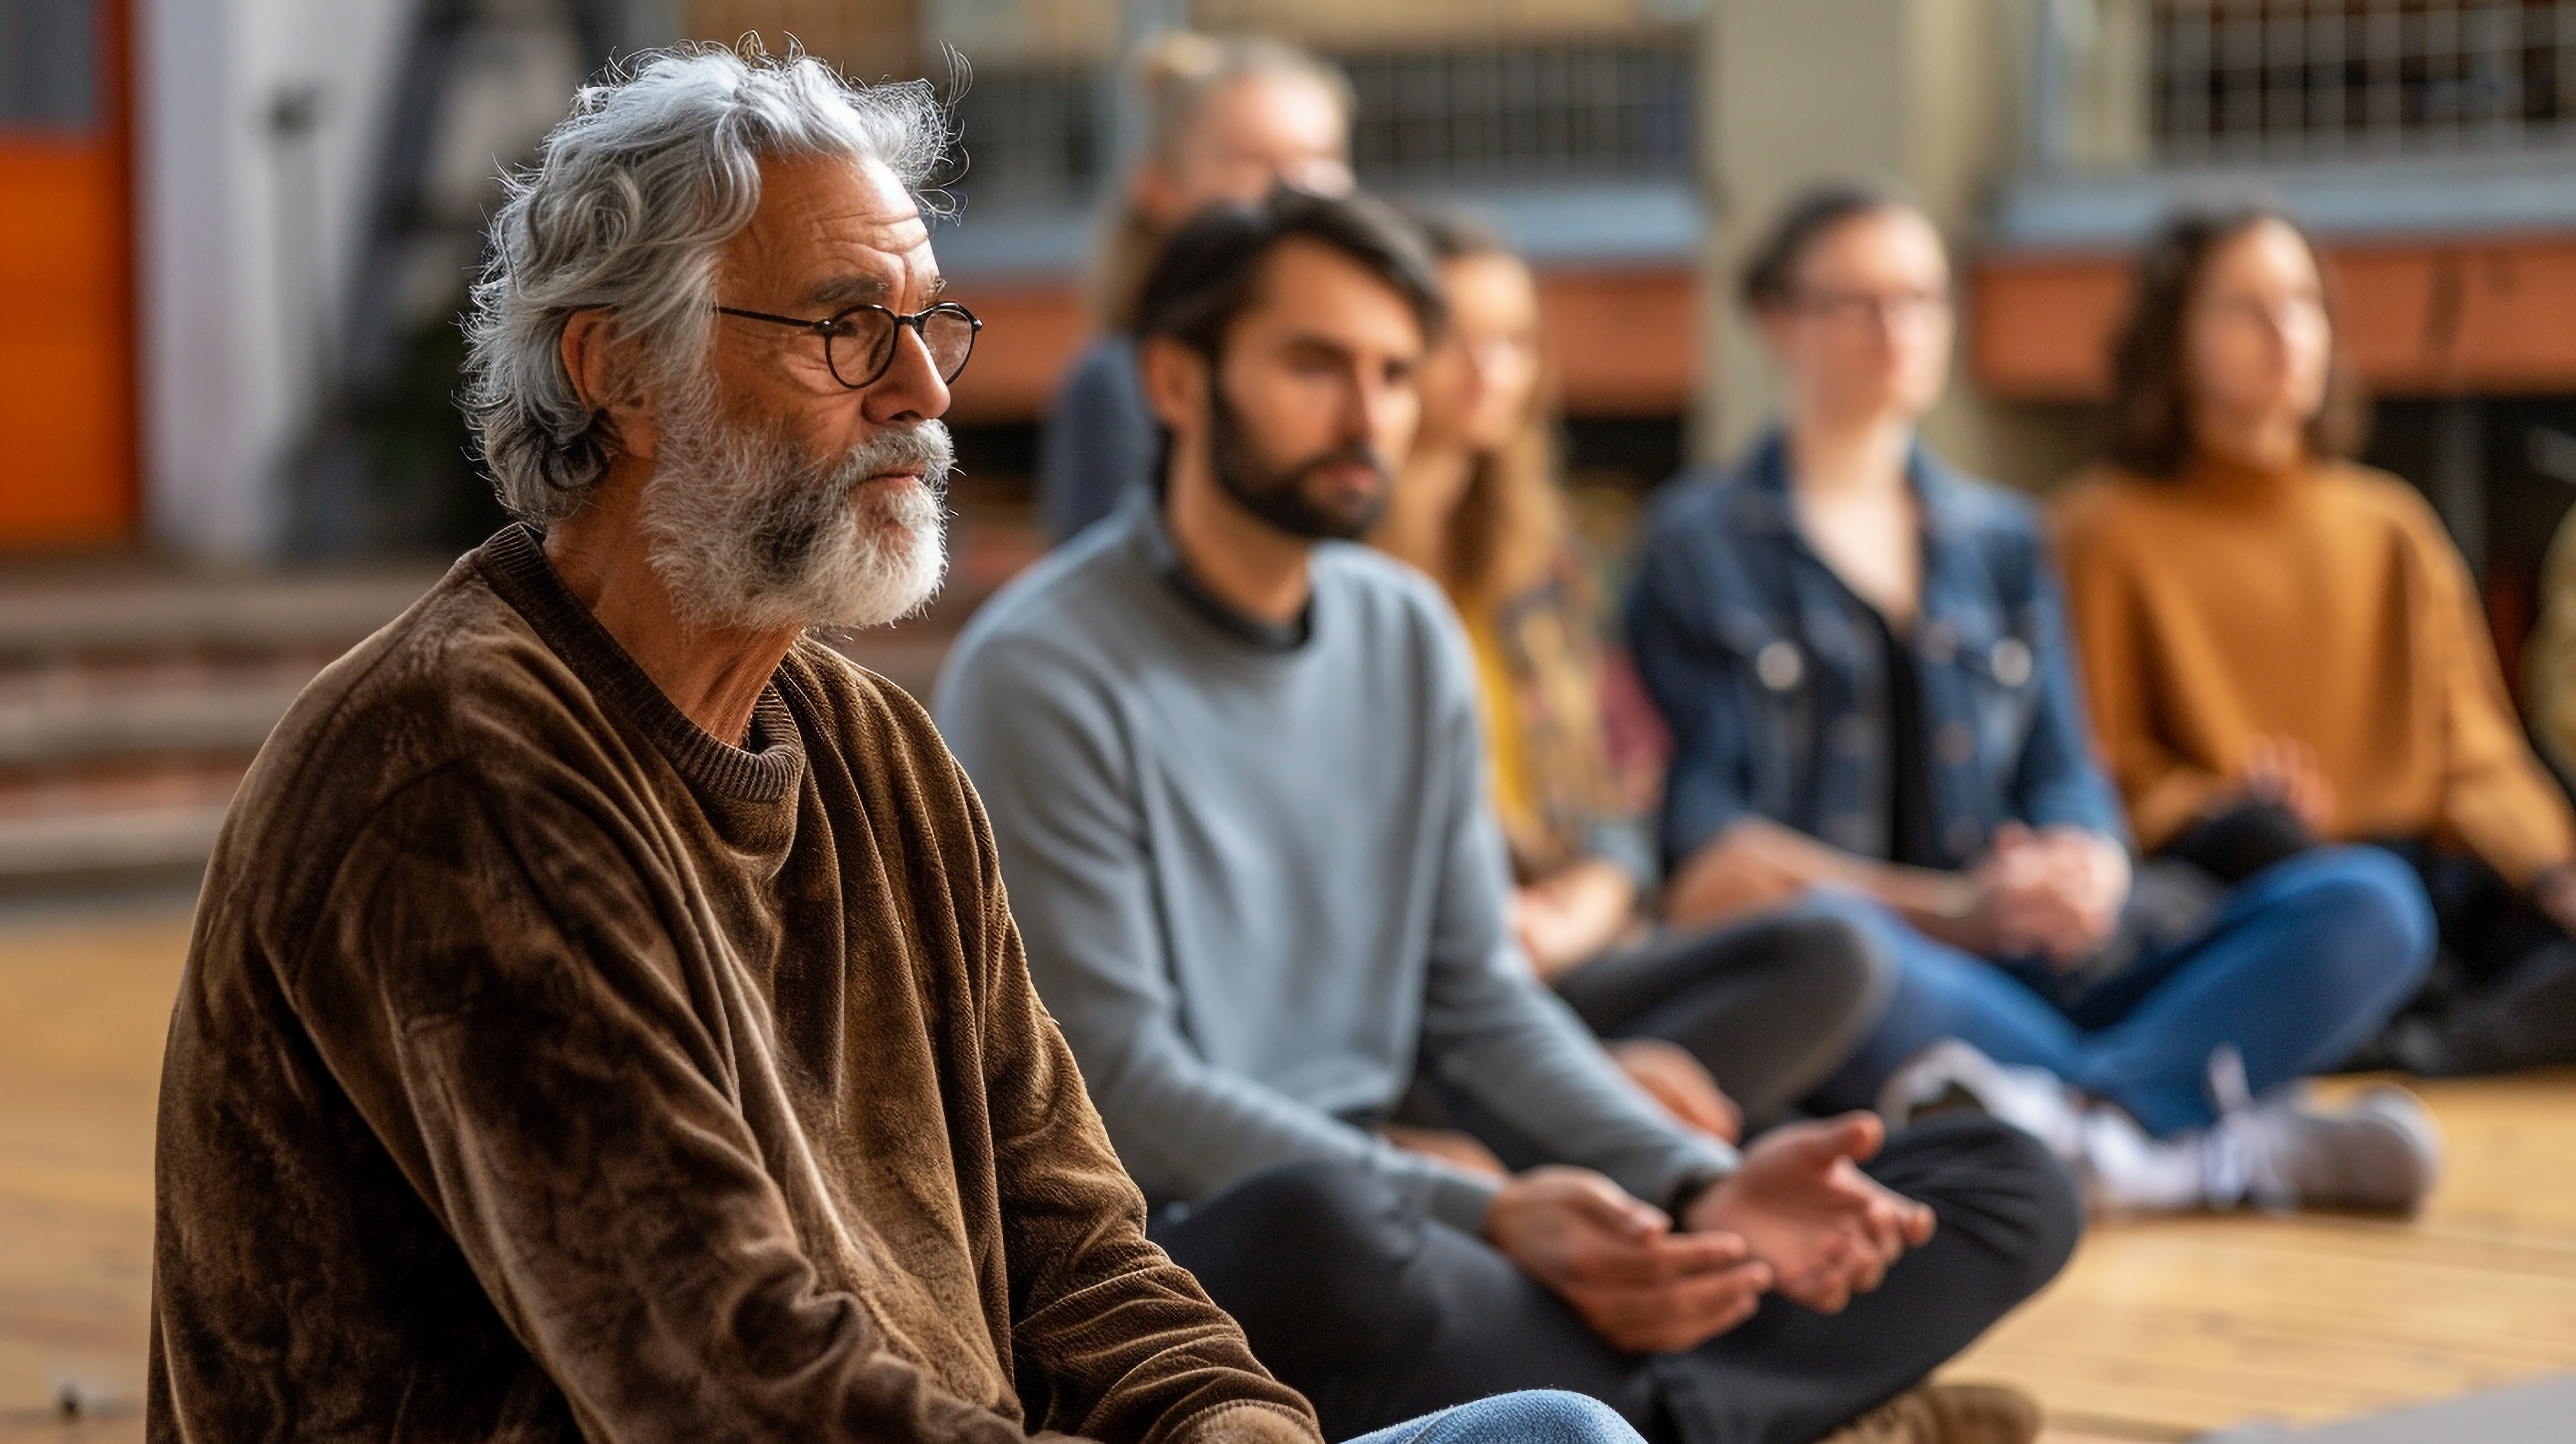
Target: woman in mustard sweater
2283, 647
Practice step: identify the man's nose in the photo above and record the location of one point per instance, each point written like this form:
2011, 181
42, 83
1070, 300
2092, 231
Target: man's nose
911, 389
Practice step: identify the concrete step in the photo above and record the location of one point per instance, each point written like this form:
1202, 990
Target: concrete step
46, 850
90, 727
131, 699
53, 620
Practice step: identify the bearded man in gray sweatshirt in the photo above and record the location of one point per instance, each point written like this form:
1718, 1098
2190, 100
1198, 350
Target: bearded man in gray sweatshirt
1234, 775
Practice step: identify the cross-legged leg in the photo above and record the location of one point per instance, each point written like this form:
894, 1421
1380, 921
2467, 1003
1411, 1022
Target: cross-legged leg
2303, 963
1352, 1294
2299, 965
1770, 1007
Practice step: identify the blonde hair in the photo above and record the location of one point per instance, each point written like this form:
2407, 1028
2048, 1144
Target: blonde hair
1510, 522
1178, 74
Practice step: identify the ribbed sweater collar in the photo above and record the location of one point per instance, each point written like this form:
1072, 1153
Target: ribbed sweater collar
2235, 483
514, 561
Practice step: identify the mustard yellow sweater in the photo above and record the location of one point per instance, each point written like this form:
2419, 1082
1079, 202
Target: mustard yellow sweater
2324, 604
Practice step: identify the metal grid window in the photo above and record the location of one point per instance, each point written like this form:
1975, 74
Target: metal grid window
1616, 109
2322, 79
1611, 109
1031, 137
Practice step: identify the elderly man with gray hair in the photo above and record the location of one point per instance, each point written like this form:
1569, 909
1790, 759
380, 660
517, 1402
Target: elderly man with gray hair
604, 1019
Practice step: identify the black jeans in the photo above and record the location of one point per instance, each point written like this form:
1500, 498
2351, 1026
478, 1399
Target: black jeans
1379, 1312
1770, 1007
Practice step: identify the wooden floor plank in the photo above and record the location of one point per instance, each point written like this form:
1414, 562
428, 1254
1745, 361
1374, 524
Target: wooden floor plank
2185, 1325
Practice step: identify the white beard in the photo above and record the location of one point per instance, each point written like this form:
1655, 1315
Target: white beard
750, 530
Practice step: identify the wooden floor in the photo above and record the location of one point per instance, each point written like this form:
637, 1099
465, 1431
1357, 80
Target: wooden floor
2159, 1331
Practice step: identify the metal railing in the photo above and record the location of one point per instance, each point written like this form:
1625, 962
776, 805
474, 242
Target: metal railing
2247, 80
1615, 108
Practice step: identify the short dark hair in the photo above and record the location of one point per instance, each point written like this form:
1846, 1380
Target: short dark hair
1210, 271
2146, 428
1769, 280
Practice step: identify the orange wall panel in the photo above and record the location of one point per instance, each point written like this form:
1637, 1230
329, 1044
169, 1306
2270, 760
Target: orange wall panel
2037, 329
1623, 343
1030, 335
66, 411
2493, 315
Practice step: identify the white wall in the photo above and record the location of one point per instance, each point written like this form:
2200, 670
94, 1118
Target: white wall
245, 243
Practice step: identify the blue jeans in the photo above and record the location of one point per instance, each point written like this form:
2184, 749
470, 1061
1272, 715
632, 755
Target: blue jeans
2300, 965
1532, 1416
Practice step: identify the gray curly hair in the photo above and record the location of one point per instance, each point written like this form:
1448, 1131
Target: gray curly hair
625, 210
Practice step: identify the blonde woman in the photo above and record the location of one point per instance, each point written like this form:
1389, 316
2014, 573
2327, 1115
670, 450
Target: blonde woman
1226, 119
1708, 1021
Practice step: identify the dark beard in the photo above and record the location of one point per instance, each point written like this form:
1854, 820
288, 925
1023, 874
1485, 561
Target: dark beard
1279, 497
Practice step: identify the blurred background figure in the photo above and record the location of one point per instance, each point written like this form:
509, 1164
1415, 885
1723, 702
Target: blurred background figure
1766, 1011
1862, 656
1225, 120
2284, 648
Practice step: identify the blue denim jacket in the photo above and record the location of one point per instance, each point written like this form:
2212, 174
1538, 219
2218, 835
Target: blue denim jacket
1773, 678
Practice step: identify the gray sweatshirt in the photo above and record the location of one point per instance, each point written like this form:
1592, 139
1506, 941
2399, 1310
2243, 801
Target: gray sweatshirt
1257, 878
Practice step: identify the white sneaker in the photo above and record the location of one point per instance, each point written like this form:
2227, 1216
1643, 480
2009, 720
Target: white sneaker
2119, 1167
1950, 1075
2381, 1153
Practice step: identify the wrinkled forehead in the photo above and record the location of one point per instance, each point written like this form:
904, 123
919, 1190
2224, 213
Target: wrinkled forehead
829, 232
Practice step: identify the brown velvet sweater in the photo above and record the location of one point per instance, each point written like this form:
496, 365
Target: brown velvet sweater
546, 1068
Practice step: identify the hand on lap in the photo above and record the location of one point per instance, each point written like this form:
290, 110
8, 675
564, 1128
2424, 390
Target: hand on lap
1802, 1205
1618, 1263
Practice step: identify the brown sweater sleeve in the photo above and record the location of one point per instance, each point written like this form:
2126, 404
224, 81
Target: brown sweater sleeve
2496, 799
1127, 1344
2164, 792
498, 991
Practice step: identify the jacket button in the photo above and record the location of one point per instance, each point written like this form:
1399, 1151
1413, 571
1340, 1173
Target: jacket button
1962, 836
1955, 744
1779, 666
2011, 661
1940, 643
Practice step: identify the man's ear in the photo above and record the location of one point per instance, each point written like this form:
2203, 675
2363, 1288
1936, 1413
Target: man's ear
594, 359
1176, 380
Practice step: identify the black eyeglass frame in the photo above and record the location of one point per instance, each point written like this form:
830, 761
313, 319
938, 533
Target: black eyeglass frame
914, 322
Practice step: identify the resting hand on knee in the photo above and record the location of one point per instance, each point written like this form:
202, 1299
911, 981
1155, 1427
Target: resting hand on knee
1618, 1263
1802, 1205
1667, 1073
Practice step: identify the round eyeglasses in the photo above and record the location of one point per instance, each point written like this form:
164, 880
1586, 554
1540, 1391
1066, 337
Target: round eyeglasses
858, 343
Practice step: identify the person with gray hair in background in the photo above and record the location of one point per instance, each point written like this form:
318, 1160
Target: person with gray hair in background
604, 1020
1225, 119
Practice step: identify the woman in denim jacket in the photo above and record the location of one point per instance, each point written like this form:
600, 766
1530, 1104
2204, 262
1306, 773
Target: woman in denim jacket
1862, 657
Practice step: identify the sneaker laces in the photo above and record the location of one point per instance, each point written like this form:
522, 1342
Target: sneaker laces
2240, 1159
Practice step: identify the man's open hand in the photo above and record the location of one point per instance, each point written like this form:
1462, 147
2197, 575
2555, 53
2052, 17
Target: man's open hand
1803, 1206
1618, 1263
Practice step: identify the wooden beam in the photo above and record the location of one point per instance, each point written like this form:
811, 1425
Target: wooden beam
1621, 342
2417, 318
